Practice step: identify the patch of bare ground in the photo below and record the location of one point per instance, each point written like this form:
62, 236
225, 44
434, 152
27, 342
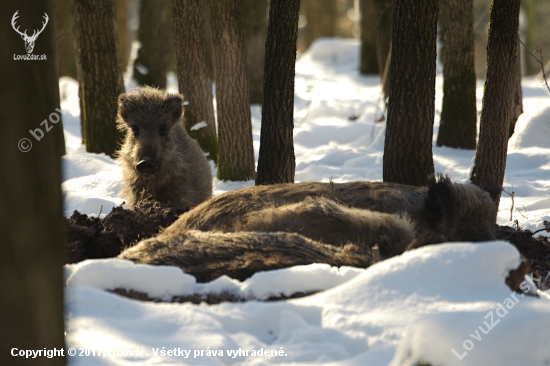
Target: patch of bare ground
90, 237
207, 298
536, 251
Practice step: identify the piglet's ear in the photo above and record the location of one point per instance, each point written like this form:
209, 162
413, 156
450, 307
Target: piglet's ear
174, 106
124, 107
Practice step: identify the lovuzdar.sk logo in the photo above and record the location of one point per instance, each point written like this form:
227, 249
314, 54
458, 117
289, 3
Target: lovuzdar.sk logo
29, 40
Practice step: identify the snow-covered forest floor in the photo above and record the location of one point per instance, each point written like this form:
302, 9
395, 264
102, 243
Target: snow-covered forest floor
445, 304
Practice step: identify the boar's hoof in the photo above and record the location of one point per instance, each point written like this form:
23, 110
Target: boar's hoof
146, 167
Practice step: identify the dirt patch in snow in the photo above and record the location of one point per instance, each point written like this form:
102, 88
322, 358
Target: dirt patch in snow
90, 237
210, 299
535, 249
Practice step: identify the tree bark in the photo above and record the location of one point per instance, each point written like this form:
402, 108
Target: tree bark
31, 215
409, 128
383, 10
369, 60
490, 159
321, 19
154, 34
123, 33
100, 75
236, 151
254, 22
193, 81
64, 37
458, 125
209, 43
276, 162
532, 40
517, 102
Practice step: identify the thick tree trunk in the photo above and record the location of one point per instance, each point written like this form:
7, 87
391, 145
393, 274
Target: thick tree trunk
236, 151
490, 159
458, 125
517, 102
369, 60
99, 74
57, 134
193, 81
254, 22
276, 163
64, 37
209, 43
321, 19
383, 10
31, 216
123, 33
409, 129
154, 34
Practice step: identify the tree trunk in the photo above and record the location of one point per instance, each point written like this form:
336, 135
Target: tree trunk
123, 33
31, 215
517, 102
154, 34
193, 81
236, 152
100, 76
383, 10
490, 159
409, 128
458, 125
64, 37
209, 43
369, 60
532, 40
276, 163
254, 22
321, 19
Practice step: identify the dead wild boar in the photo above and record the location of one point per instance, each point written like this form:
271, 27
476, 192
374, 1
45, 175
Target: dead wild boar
277, 226
442, 211
159, 160
324, 220
209, 255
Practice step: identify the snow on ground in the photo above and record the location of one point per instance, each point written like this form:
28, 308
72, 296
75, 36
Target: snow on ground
424, 304
433, 304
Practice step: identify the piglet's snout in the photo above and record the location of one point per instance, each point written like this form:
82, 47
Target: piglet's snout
146, 166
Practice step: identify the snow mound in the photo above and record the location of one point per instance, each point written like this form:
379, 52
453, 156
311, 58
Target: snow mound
165, 282
532, 130
423, 303
480, 337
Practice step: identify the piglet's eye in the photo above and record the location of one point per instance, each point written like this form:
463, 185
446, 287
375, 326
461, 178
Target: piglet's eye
135, 130
162, 131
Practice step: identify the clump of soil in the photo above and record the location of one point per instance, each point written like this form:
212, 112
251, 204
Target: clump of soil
91, 237
535, 250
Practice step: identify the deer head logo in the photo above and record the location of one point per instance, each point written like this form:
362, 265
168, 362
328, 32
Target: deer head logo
29, 40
